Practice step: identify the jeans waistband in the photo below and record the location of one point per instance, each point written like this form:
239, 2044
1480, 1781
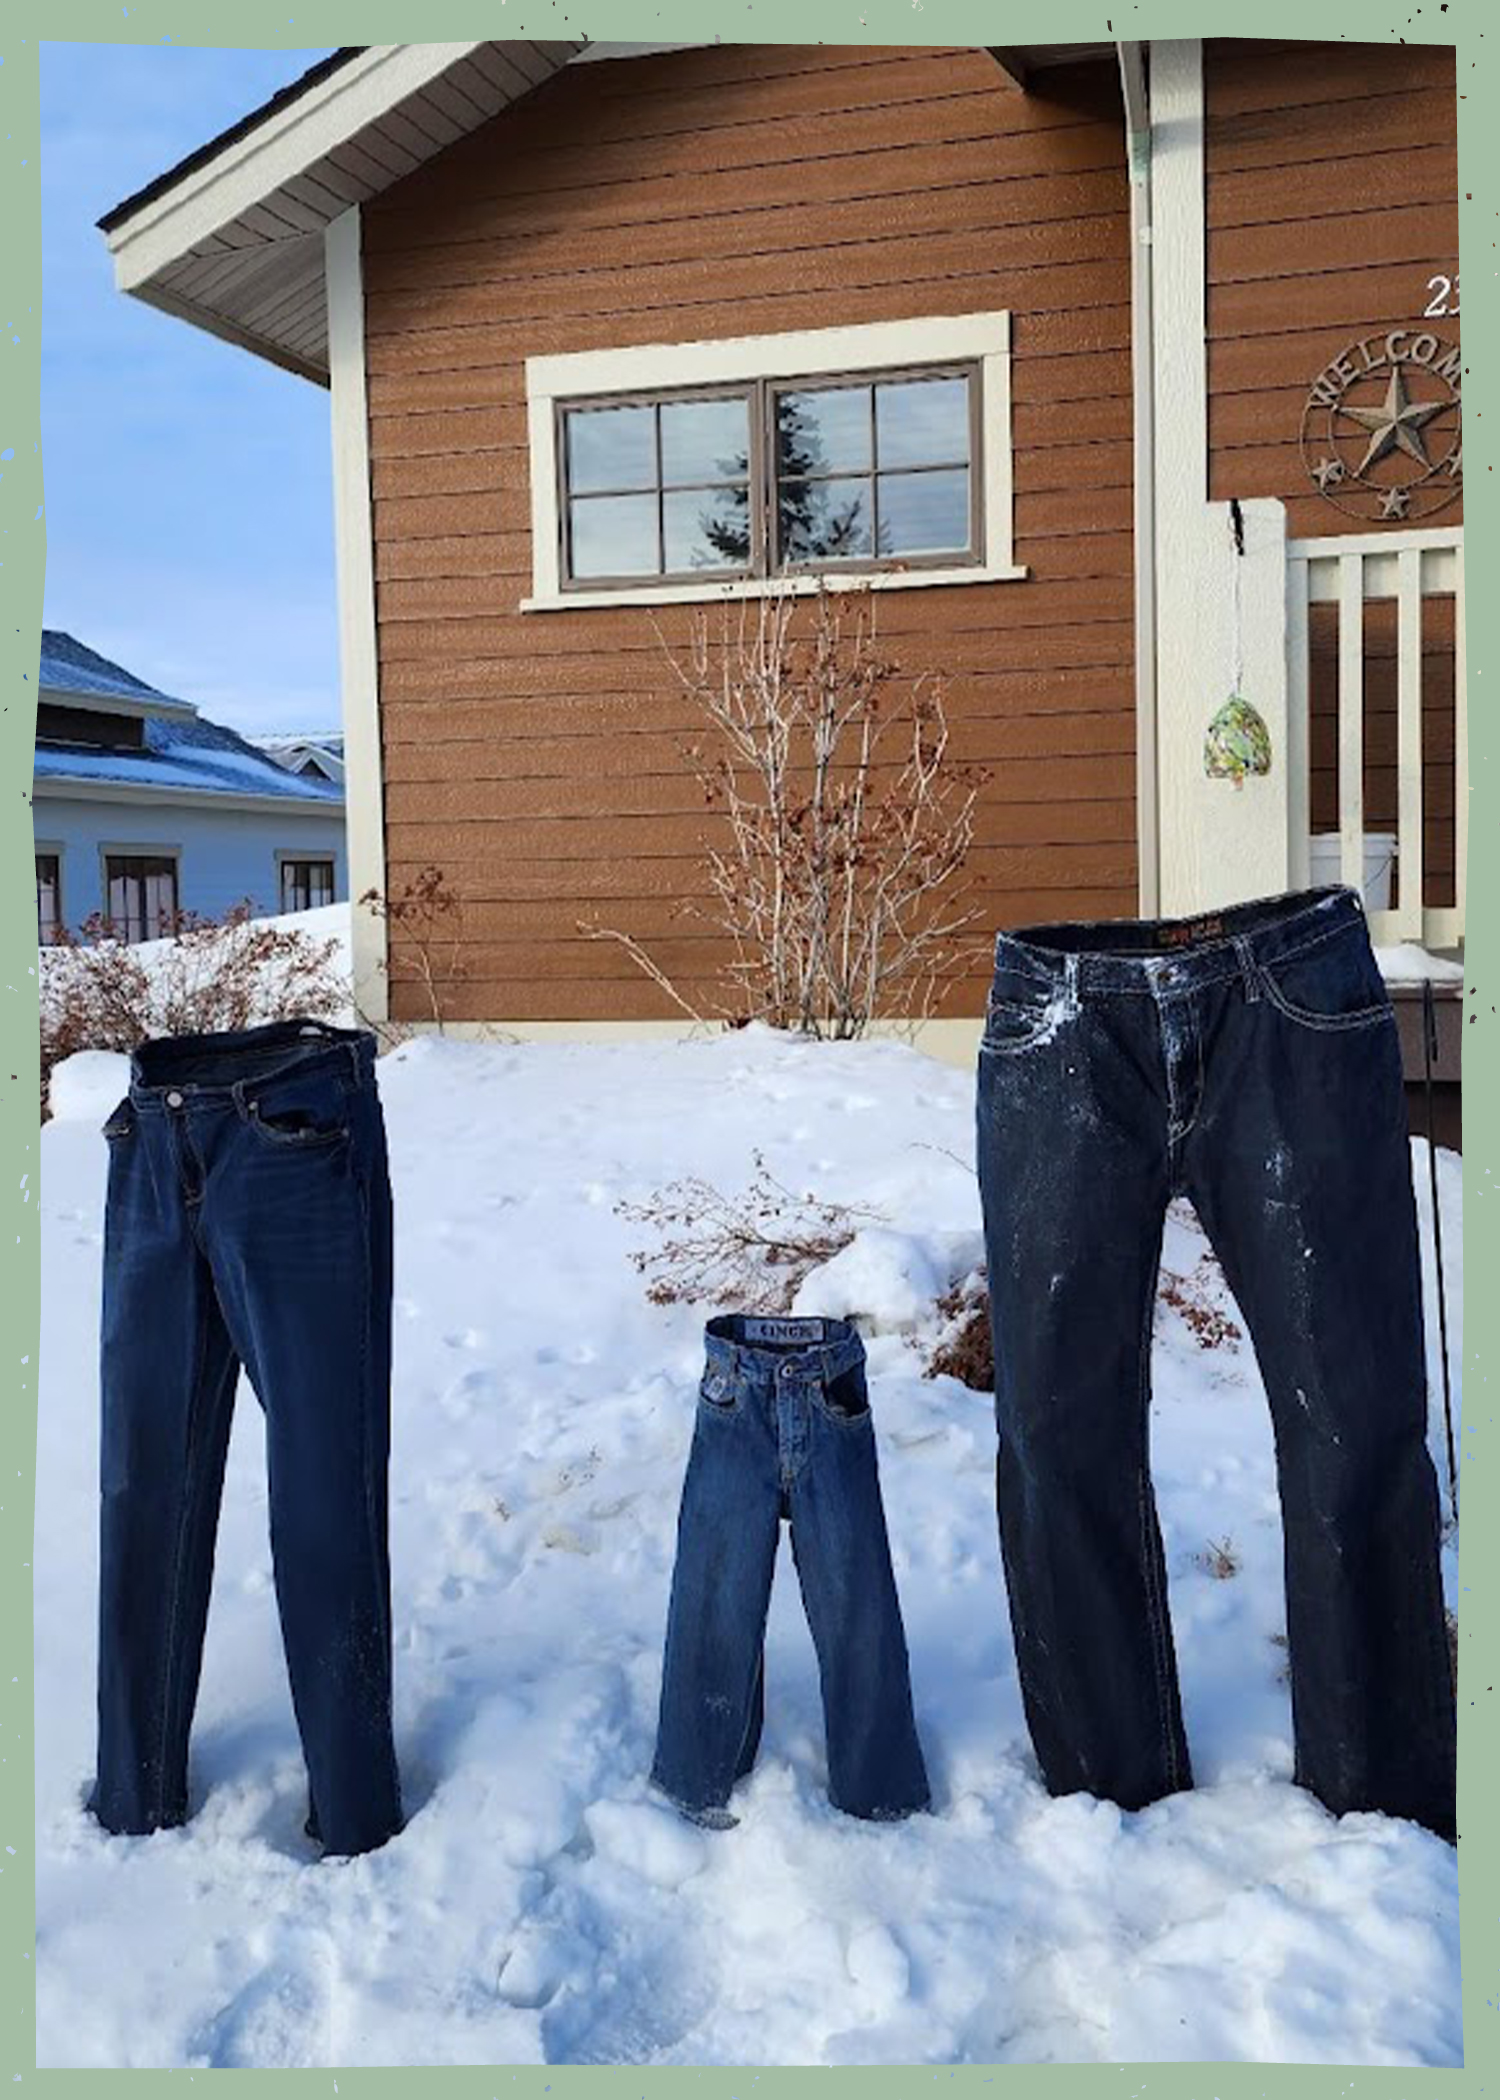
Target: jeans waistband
1147, 955
222, 1066
751, 1349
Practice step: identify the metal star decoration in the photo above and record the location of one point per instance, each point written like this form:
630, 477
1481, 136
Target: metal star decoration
1396, 425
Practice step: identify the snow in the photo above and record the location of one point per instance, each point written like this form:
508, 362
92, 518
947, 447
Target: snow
542, 1905
85, 1087
1407, 962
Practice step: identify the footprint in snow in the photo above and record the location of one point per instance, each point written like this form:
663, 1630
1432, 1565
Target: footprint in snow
282, 2018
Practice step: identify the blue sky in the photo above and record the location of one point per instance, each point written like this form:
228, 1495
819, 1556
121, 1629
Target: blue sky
187, 484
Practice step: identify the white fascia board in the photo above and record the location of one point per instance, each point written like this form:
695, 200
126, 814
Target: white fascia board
53, 787
249, 169
592, 53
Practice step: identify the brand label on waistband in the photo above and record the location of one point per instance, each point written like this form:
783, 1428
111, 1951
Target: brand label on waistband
783, 1330
1194, 930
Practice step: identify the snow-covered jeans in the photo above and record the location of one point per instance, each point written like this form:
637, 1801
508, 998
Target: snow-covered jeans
784, 1431
1248, 1060
248, 1221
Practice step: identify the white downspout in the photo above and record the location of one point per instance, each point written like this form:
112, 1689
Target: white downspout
1143, 379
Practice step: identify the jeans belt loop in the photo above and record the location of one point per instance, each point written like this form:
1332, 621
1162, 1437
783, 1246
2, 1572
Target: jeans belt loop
1248, 968
1070, 982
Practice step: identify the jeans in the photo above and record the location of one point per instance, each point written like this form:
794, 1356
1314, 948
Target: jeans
1249, 1061
248, 1222
784, 1430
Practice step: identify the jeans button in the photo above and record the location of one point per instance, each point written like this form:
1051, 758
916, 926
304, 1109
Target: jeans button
174, 1099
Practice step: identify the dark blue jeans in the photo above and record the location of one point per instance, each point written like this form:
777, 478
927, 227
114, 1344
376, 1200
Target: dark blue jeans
248, 1222
784, 1430
1248, 1060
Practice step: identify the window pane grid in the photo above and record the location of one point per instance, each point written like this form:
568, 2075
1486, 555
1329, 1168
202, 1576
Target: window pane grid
306, 885
905, 432
141, 896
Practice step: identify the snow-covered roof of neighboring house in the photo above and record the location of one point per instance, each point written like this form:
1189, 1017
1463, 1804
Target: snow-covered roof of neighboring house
70, 666
181, 751
298, 752
231, 237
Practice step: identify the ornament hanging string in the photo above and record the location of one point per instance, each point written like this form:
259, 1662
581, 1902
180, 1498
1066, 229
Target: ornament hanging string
1237, 531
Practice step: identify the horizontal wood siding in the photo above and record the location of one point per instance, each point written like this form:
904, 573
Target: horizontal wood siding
1332, 198
538, 758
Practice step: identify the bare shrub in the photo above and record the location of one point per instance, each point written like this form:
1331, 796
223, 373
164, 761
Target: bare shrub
965, 1348
424, 921
205, 975
846, 822
745, 1253
1190, 1297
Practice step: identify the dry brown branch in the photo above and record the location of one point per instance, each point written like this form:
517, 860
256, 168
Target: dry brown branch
424, 935
844, 822
745, 1253
99, 993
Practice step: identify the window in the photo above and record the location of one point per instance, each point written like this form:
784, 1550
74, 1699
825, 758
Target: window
773, 478
48, 897
140, 895
305, 884
87, 728
688, 471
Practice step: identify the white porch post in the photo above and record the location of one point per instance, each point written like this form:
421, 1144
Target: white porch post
1218, 843
364, 797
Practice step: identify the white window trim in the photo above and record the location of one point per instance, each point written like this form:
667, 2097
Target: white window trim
801, 354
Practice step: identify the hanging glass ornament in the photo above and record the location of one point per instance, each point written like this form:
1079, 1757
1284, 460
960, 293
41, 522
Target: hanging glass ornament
1238, 742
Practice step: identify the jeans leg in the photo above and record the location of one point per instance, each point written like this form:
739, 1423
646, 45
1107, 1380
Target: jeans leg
1074, 1184
728, 1529
842, 1554
168, 1376
299, 1237
1300, 1170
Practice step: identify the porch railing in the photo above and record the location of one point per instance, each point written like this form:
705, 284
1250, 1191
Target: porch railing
1411, 569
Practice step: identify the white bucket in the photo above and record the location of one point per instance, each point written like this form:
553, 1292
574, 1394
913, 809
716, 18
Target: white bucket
1380, 855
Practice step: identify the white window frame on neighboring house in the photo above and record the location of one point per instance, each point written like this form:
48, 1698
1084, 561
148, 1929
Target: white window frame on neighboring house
824, 356
290, 857
50, 849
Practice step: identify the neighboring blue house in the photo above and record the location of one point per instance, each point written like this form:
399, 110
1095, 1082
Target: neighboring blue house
143, 809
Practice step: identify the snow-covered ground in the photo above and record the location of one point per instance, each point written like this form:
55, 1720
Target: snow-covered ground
542, 1905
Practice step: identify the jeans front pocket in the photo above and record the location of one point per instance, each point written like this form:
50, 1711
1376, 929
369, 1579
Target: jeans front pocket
1022, 1012
300, 1114
1334, 984
717, 1394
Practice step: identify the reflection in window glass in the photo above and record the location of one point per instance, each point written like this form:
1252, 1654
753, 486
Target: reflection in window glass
825, 520
614, 536
922, 422
823, 431
706, 528
704, 441
748, 483
611, 448
923, 513
916, 435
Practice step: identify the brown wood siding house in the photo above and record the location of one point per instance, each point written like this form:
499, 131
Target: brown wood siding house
1148, 257
536, 757
1355, 150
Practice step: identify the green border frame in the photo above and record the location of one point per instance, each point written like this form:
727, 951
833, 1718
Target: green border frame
22, 561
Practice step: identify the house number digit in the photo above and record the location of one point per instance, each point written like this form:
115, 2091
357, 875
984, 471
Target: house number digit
1437, 307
